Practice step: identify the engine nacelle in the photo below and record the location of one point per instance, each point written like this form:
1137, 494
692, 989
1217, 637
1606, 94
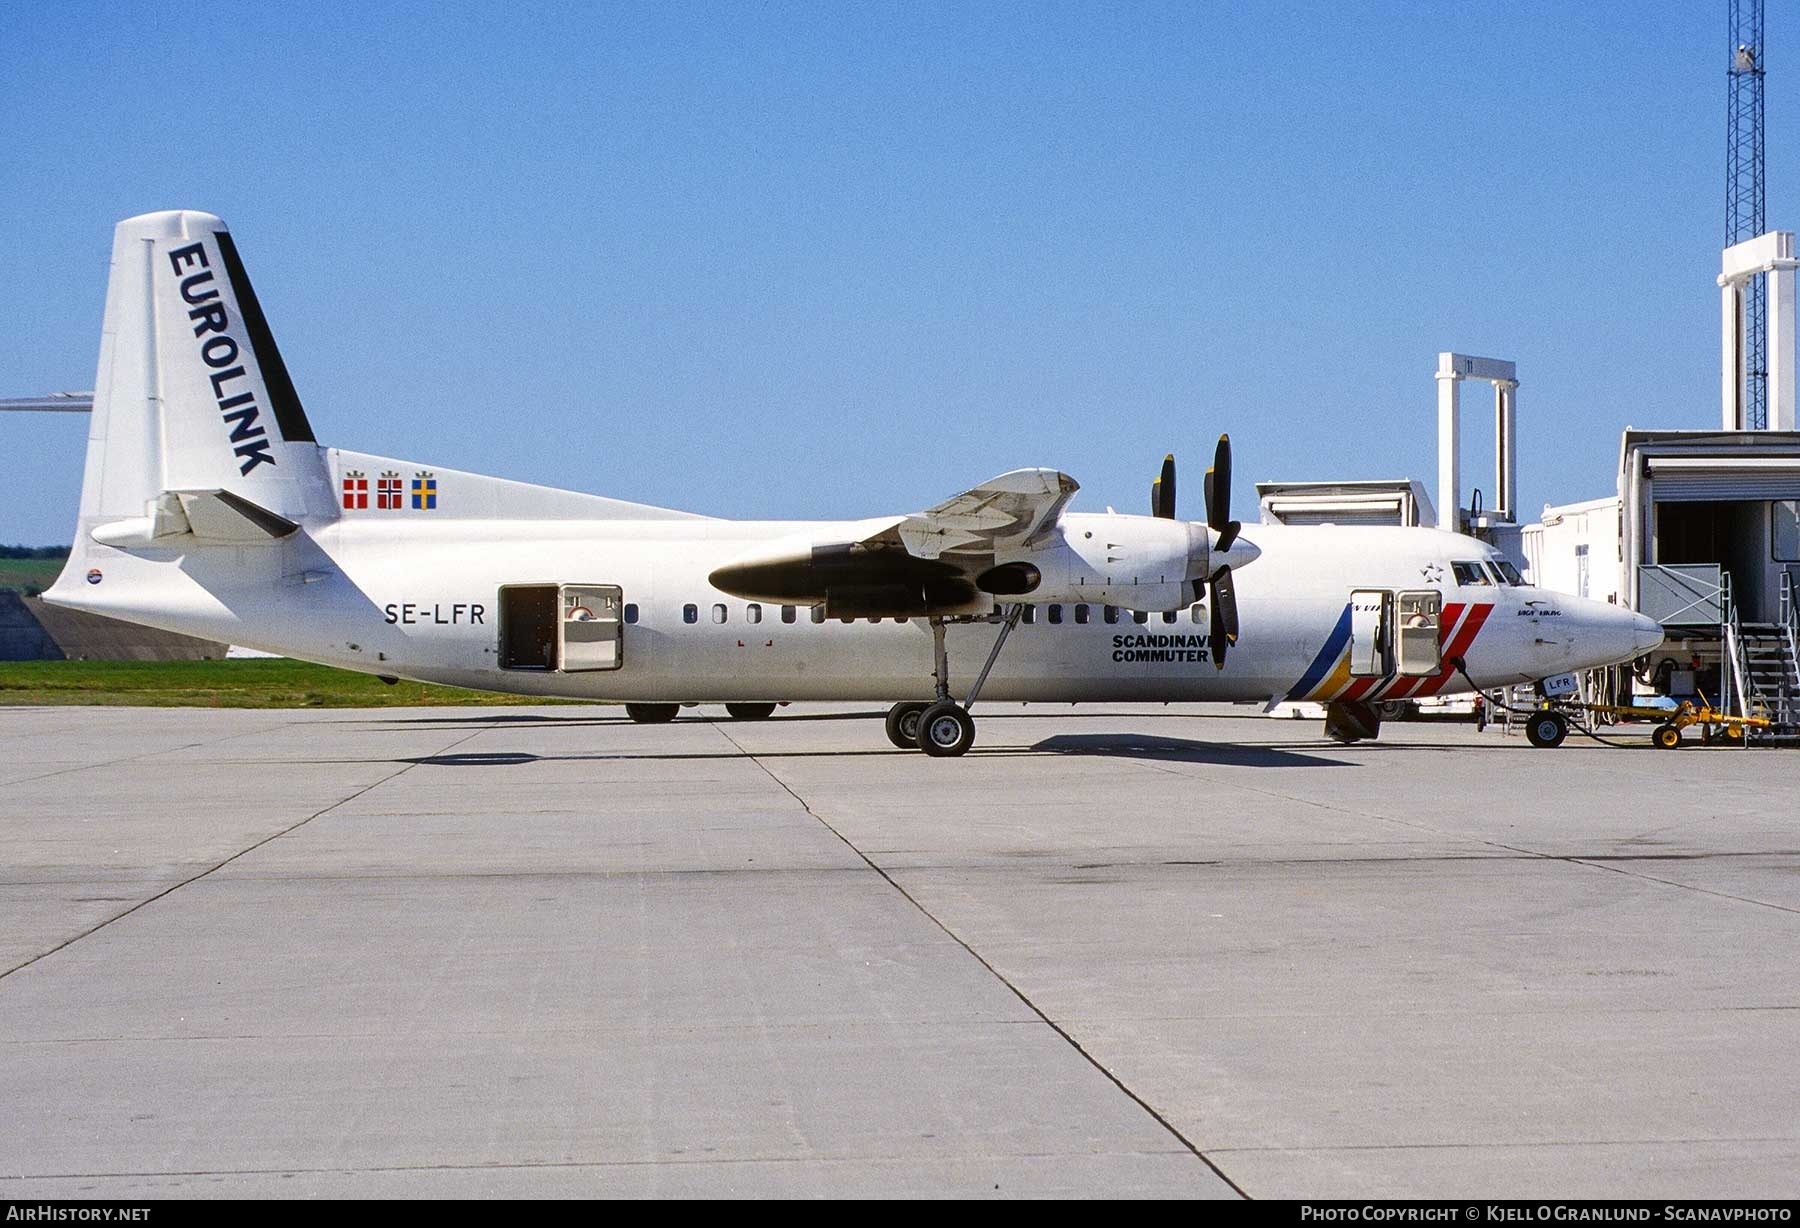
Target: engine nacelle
1136, 562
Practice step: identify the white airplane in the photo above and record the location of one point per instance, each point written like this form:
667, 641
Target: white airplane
209, 508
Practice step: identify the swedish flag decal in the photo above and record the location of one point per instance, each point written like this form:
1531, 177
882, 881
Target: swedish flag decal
424, 492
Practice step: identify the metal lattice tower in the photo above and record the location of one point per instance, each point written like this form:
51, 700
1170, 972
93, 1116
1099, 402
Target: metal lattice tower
1744, 194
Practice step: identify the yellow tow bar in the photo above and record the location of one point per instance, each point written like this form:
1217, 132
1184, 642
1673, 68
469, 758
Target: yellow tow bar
1713, 723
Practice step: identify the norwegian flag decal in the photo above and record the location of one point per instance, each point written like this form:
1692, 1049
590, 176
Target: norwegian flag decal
388, 491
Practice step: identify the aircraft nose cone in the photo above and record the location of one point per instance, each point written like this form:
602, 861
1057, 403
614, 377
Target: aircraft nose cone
1647, 633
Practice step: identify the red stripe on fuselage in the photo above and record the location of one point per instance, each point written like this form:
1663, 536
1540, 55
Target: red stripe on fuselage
1406, 688
1459, 645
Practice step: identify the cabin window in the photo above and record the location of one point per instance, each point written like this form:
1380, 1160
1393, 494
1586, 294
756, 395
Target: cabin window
899, 618
753, 613
1784, 515
1030, 615
788, 613
1168, 616
1140, 617
1110, 614
1198, 613
631, 611
690, 613
1055, 615
1470, 574
1081, 614
818, 614
719, 612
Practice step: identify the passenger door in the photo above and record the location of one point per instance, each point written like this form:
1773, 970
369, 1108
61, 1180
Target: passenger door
1416, 638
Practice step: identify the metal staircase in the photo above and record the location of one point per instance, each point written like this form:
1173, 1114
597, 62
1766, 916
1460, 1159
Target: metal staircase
1767, 661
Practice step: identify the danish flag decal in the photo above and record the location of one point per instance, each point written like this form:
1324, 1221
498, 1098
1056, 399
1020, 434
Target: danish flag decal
356, 490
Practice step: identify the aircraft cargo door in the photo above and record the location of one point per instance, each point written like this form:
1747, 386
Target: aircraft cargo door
591, 622
1369, 619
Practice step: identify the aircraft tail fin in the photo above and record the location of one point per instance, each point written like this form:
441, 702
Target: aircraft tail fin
192, 394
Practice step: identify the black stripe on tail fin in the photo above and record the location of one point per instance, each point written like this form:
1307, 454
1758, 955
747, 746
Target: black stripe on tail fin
290, 415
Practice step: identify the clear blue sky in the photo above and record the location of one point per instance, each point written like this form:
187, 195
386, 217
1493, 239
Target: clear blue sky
847, 259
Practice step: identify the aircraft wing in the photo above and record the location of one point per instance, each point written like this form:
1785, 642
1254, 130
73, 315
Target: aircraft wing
1004, 512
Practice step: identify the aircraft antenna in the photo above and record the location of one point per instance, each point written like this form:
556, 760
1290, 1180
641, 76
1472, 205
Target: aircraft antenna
1744, 193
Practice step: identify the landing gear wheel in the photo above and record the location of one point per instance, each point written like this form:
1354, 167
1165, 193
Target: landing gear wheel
1666, 737
903, 725
945, 730
652, 714
1546, 729
750, 712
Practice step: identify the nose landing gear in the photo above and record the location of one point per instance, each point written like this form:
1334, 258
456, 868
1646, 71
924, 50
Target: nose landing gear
1546, 728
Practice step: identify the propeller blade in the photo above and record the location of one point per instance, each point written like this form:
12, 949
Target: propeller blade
1217, 640
1227, 535
1225, 601
1224, 630
1162, 491
1218, 486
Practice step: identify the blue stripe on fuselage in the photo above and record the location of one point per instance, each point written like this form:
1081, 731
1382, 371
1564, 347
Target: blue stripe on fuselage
1328, 655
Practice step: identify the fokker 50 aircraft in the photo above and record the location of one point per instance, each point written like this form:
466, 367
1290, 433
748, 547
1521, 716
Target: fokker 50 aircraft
209, 508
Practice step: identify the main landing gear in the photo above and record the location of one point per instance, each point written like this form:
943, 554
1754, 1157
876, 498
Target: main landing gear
943, 728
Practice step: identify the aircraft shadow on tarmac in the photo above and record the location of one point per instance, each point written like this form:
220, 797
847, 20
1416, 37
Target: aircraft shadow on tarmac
574, 721
1098, 745
1180, 750
588, 717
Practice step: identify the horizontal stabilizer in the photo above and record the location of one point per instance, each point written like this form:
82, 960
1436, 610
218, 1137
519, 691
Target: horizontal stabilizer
176, 519
220, 516
55, 403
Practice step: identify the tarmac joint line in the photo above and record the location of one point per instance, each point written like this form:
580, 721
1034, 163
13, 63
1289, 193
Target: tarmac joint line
194, 878
1186, 1143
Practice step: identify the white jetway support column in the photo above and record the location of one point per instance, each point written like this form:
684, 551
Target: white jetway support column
1504, 376
1781, 345
1506, 468
1773, 254
1731, 354
1449, 487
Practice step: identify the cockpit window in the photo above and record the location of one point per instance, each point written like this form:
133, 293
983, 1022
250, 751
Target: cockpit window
1470, 574
1511, 573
